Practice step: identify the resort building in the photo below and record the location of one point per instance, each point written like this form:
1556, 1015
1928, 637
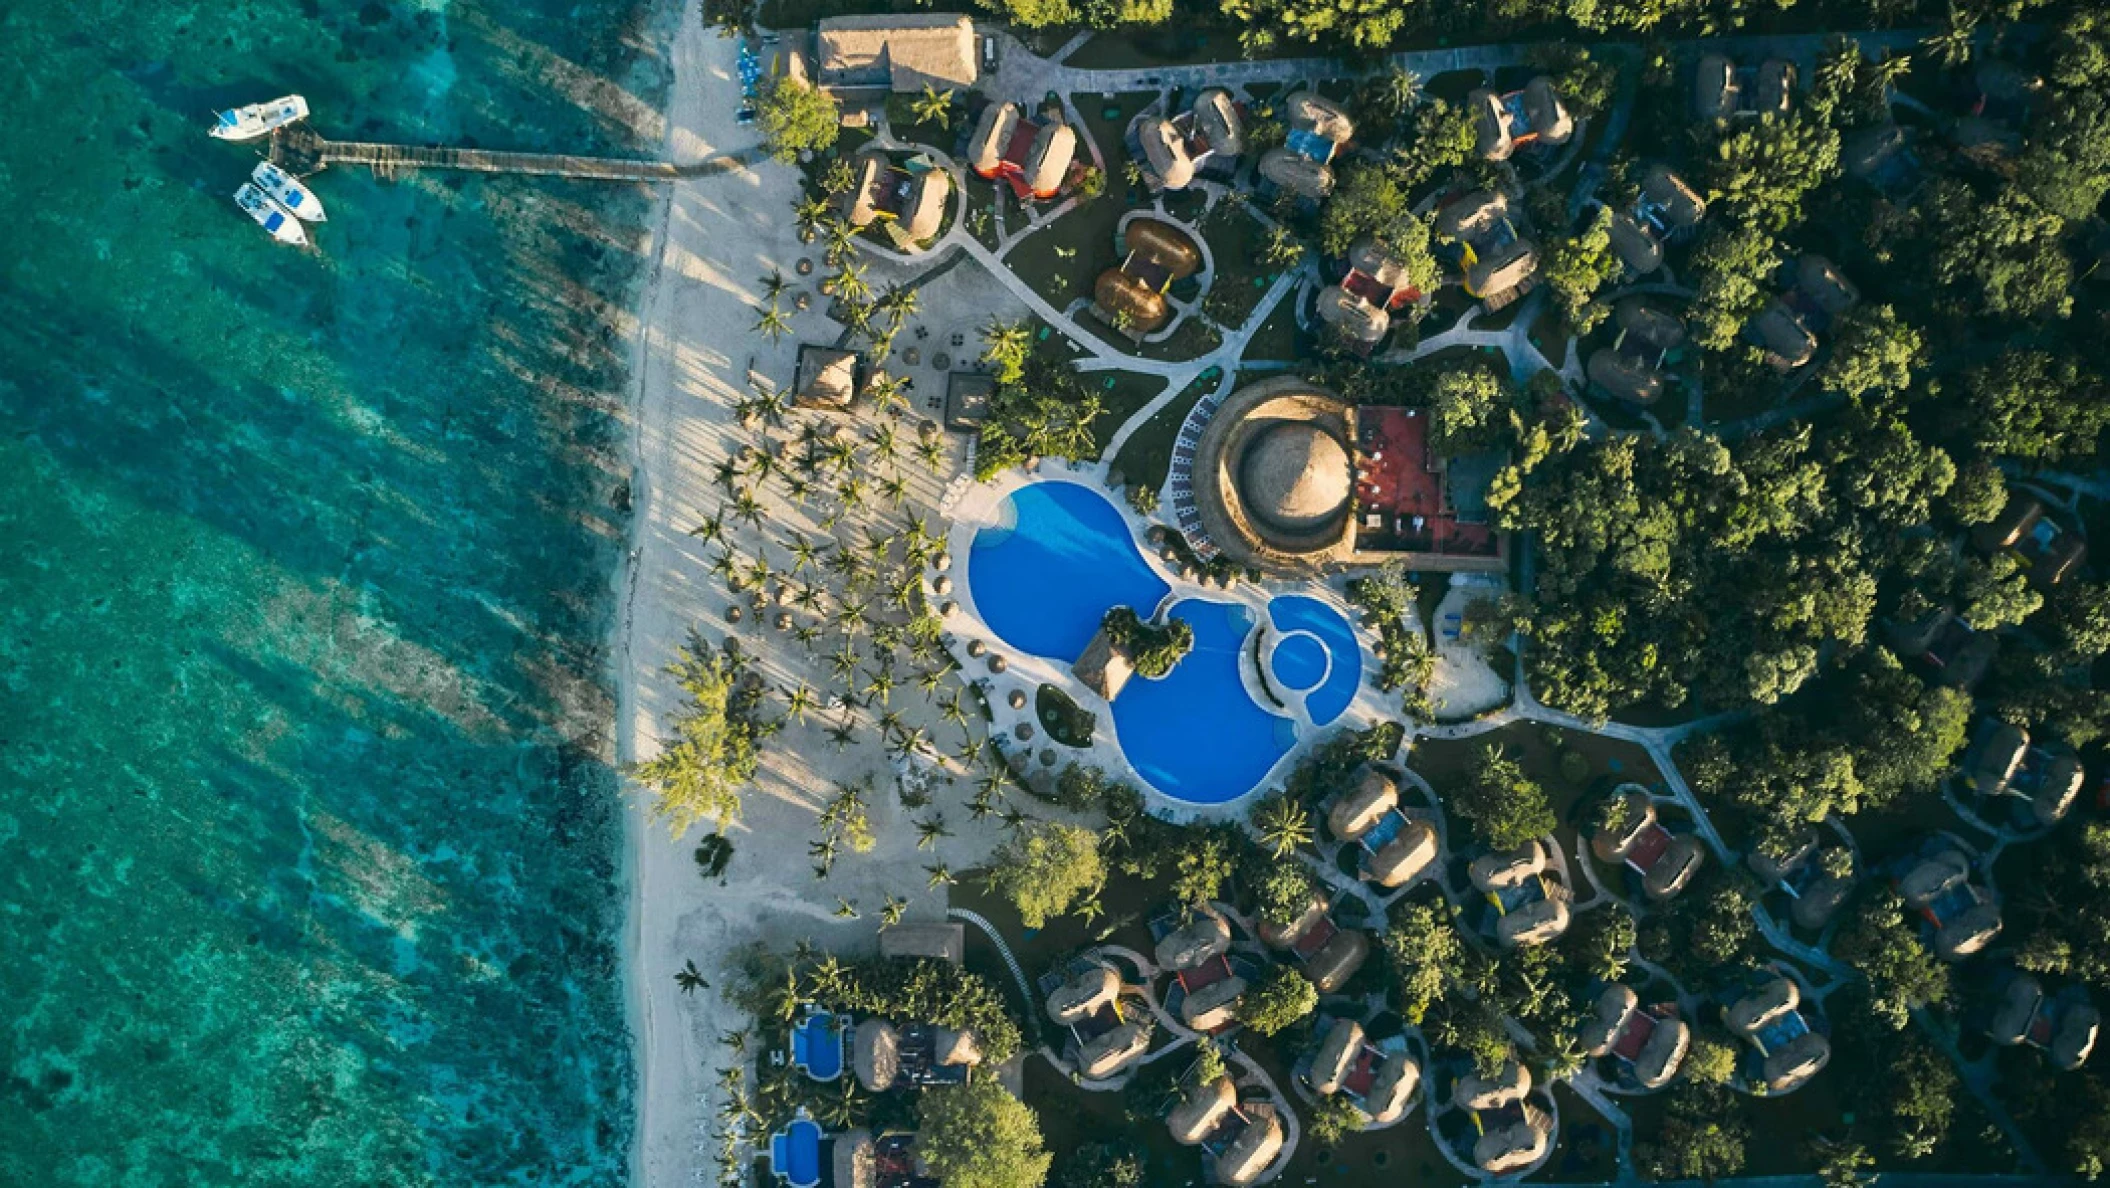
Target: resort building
1788, 328
939, 942
1648, 1042
1964, 918
1721, 90
1954, 654
1633, 368
1509, 1133
1085, 1000
1213, 1007
1336, 1054
1104, 1055
1205, 139
1154, 256
1380, 1081
1666, 210
1085, 995
1803, 876
1768, 1017
967, 398
1530, 909
863, 59
1194, 944
2065, 1027
1302, 166
888, 1161
1201, 1111
1532, 117
1329, 953
2048, 550
908, 204
1396, 849
1276, 483
1630, 835
1032, 156
826, 377
2045, 781
1360, 307
1251, 1151
1495, 262
918, 1054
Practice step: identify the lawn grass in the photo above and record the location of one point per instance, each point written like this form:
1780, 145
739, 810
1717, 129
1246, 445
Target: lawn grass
1129, 392
1276, 339
1108, 132
1146, 457
1235, 238
1087, 231
1450, 763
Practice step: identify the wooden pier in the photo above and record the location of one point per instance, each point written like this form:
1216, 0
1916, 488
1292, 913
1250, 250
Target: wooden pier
300, 151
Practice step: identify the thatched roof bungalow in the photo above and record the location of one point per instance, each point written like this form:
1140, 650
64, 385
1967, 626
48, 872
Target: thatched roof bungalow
1969, 933
1673, 871
1504, 123
992, 135
1125, 302
1364, 804
1762, 1006
1780, 334
1105, 666
1503, 869
1309, 111
944, 942
1201, 1110
1201, 940
1607, 1019
1217, 123
1636, 816
1536, 923
875, 1054
1357, 321
1393, 1089
1662, 1053
2016, 1011
2074, 1036
1934, 877
1084, 995
1297, 174
1336, 1055
1117, 1049
1509, 1086
1410, 854
899, 54
1165, 152
1790, 1066
1213, 1006
1048, 161
1251, 1152
827, 377
2057, 789
855, 1160
1515, 1147
1330, 968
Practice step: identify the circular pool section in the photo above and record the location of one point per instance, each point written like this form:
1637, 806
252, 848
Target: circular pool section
1298, 662
1196, 734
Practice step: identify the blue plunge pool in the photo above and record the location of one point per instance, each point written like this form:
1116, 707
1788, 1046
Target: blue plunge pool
1059, 557
1308, 623
795, 1153
1196, 735
817, 1046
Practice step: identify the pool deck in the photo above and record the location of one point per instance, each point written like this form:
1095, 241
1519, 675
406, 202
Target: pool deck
979, 506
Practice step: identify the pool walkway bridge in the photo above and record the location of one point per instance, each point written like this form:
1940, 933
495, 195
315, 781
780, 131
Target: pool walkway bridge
301, 151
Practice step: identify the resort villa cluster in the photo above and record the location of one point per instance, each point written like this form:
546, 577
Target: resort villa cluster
1449, 625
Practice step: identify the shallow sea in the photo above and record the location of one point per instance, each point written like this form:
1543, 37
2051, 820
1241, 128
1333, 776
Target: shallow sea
309, 852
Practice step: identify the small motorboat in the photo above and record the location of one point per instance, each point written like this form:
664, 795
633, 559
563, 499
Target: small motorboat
287, 190
259, 119
270, 215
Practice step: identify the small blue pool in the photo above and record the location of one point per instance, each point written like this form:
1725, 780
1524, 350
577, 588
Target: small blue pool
1299, 662
795, 1153
1196, 735
1308, 623
817, 1047
1059, 558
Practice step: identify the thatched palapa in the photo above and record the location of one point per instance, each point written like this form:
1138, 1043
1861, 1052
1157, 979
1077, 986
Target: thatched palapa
902, 54
1251, 1152
1359, 809
1084, 995
1336, 1055
1200, 1111
1199, 941
875, 1054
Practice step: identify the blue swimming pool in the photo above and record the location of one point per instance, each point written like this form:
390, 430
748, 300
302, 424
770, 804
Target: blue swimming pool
795, 1153
1059, 557
1298, 662
1298, 613
1197, 735
817, 1047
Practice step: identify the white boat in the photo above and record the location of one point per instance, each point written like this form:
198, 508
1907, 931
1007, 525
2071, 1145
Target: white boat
259, 119
270, 215
287, 190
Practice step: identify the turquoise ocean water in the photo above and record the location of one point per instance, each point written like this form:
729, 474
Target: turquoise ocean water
308, 846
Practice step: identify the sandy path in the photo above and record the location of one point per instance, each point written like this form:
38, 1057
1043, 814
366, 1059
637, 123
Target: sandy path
717, 237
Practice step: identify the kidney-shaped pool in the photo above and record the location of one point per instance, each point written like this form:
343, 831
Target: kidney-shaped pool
1059, 556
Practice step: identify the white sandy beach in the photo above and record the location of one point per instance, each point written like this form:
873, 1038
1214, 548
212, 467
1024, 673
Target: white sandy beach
717, 237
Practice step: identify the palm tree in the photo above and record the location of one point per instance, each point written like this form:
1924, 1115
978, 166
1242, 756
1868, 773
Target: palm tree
785, 998
894, 490
955, 708
890, 723
842, 240
852, 493
772, 324
690, 979
880, 685
940, 875
773, 286
711, 530
851, 285
823, 851
808, 634
798, 488
839, 1111
933, 106
845, 909
1952, 45
844, 663
930, 829
758, 572
747, 507
811, 214
803, 553
1005, 346
843, 735
886, 444
725, 564
888, 393
808, 597
910, 742
932, 451
1283, 825
726, 474
736, 1041
899, 303
1400, 91
799, 701
892, 910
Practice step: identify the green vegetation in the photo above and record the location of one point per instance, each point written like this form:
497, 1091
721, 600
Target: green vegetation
795, 119
1065, 721
1285, 997
977, 1135
1504, 807
1041, 408
1045, 868
1153, 648
699, 774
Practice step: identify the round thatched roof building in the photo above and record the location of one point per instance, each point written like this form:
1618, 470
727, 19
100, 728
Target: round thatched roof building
1274, 478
